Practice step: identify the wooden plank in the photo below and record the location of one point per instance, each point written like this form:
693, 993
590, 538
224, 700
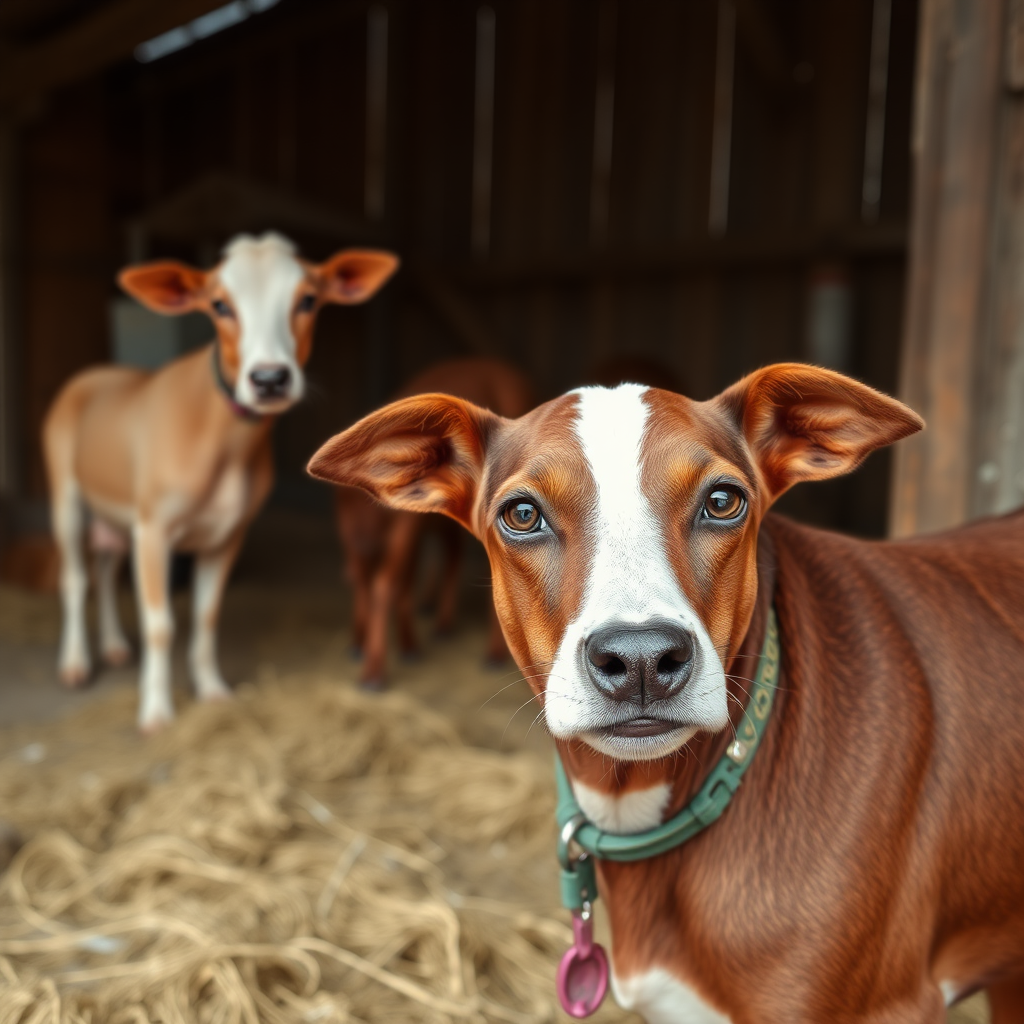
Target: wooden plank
69, 266
955, 148
11, 433
996, 480
1015, 46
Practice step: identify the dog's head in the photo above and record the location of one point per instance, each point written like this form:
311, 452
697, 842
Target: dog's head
621, 526
263, 300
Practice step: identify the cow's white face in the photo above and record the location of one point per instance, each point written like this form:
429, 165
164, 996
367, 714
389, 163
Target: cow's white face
263, 300
265, 286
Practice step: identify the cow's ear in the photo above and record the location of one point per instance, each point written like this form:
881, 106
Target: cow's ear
354, 275
421, 454
806, 423
165, 287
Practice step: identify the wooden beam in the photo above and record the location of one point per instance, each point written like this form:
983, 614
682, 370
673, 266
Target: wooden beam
17, 15
764, 44
729, 252
92, 44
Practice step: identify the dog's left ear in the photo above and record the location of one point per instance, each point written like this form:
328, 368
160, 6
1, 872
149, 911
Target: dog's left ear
421, 454
805, 423
353, 275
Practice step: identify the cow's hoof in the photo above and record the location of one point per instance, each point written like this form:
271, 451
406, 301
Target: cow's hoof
151, 726
74, 676
117, 657
218, 696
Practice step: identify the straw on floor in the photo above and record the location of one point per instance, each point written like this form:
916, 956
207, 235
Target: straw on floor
303, 853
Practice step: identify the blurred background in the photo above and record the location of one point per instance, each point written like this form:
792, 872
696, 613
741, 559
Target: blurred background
703, 186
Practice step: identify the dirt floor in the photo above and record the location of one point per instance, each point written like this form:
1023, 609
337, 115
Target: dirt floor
284, 624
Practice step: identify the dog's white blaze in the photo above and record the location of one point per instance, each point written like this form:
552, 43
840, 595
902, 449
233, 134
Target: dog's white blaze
261, 275
635, 811
630, 581
662, 999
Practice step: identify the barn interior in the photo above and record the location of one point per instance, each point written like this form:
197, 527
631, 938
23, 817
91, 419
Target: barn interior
590, 191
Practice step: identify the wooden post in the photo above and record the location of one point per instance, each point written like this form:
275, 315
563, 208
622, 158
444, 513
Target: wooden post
963, 356
10, 418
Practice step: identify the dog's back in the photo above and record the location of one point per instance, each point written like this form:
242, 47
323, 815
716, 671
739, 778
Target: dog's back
903, 669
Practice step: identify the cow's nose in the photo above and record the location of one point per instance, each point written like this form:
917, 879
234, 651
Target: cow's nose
640, 663
271, 381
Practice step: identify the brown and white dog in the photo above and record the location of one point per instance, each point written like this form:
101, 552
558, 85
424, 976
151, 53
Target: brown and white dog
180, 459
869, 868
382, 545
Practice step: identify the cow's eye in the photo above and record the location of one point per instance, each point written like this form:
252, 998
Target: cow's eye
724, 502
221, 308
306, 304
522, 517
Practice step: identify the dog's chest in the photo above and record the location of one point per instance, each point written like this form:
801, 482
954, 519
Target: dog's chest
661, 998
655, 994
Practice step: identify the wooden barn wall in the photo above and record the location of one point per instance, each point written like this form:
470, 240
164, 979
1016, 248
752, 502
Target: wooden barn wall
69, 246
576, 270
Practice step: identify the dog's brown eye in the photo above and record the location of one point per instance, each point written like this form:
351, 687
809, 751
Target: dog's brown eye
724, 503
522, 516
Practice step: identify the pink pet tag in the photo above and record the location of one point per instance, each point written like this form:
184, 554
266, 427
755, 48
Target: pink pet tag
583, 971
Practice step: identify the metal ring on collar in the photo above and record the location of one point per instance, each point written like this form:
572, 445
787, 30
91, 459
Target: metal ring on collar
568, 834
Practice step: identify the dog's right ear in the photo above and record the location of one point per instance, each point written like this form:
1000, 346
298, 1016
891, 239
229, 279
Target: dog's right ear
165, 287
422, 454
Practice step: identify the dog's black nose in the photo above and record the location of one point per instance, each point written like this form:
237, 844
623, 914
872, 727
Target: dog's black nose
640, 663
270, 381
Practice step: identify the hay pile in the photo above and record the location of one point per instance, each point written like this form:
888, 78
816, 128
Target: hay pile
304, 853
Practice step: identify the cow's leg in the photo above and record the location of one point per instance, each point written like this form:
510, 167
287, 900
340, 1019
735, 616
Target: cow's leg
405, 609
114, 647
359, 571
152, 577
68, 528
451, 566
210, 577
399, 551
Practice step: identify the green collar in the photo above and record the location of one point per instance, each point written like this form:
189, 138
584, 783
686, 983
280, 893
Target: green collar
579, 882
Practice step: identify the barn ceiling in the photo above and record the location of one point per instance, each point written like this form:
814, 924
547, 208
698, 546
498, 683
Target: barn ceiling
49, 43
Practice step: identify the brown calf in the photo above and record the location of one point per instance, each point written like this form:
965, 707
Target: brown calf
381, 545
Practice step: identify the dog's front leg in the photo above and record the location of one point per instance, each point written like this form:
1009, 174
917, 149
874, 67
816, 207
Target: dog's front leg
152, 563
211, 575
